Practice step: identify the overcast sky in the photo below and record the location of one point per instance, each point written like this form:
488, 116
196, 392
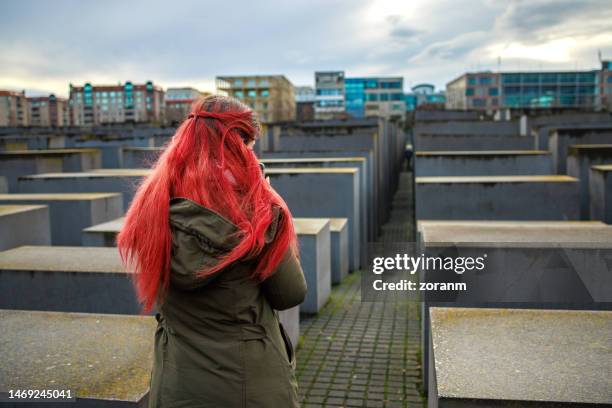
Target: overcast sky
45, 45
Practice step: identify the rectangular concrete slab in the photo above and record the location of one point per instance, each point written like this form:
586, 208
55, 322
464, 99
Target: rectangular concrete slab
105, 360
14, 164
71, 212
579, 161
124, 181
498, 198
366, 180
600, 193
561, 139
486, 162
470, 141
68, 279
315, 257
24, 225
339, 249
140, 157
519, 358
324, 192
533, 264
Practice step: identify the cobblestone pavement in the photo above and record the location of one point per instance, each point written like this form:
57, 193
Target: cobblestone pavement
364, 354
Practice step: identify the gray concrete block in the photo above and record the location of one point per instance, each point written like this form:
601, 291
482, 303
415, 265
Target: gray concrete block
315, 257
140, 157
498, 198
24, 225
66, 279
600, 193
103, 235
526, 265
71, 212
339, 249
479, 163
366, 181
468, 141
368, 155
124, 181
468, 127
580, 159
25, 162
324, 192
105, 360
3, 185
519, 358
561, 139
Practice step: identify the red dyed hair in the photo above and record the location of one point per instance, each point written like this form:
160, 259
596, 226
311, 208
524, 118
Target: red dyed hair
195, 165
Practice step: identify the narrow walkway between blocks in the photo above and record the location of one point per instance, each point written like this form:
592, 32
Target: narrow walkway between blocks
355, 354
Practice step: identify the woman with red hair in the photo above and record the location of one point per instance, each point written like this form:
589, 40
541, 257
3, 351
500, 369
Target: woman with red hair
213, 248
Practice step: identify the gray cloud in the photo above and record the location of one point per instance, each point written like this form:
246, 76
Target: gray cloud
47, 44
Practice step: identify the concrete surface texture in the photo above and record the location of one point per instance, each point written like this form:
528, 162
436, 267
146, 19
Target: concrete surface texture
24, 225
71, 212
469, 141
339, 249
580, 159
124, 181
552, 197
600, 193
532, 356
324, 192
67, 279
561, 139
103, 359
486, 162
315, 256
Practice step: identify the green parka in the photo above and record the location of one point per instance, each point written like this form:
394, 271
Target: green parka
218, 341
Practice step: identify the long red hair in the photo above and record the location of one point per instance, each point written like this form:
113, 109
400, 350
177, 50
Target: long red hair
207, 161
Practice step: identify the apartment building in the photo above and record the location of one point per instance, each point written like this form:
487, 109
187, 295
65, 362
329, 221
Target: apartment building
329, 95
179, 102
270, 96
48, 111
128, 102
13, 109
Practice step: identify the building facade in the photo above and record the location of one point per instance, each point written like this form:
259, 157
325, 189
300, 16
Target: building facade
13, 109
127, 103
179, 101
375, 96
549, 89
424, 96
329, 95
605, 85
48, 111
271, 96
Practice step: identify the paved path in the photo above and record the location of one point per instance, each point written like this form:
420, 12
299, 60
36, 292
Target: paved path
356, 354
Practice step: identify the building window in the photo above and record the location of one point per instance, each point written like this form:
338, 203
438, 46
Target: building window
372, 97
238, 82
251, 83
397, 96
265, 93
239, 94
371, 84
264, 82
511, 78
328, 92
471, 81
493, 91
479, 102
485, 80
252, 93
391, 85
469, 92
